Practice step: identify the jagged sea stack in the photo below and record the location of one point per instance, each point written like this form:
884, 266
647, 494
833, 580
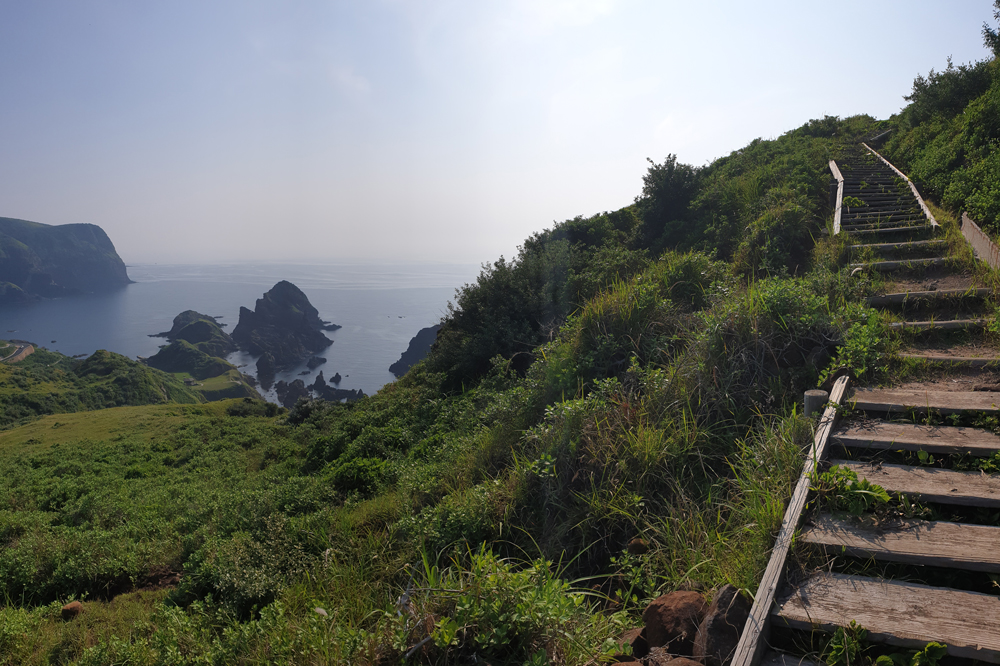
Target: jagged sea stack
283, 323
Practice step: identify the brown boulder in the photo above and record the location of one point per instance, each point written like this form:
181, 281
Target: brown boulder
71, 610
672, 621
719, 633
637, 546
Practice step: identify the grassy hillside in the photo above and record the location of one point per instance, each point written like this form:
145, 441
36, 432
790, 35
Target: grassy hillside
948, 139
628, 378
50, 383
594, 390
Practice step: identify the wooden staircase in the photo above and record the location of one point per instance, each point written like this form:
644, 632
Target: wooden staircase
895, 233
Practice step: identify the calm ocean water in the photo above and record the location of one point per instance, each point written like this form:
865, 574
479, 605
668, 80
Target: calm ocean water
379, 306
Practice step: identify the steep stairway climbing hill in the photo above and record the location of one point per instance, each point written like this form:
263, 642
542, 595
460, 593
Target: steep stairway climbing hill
909, 576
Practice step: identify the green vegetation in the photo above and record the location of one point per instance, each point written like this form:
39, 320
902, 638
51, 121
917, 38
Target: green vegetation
633, 374
657, 402
182, 356
948, 138
203, 332
50, 383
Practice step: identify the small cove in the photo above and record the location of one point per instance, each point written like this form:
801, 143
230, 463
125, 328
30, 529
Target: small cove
379, 306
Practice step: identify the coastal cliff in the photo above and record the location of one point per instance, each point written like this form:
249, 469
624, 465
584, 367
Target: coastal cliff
41, 260
420, 346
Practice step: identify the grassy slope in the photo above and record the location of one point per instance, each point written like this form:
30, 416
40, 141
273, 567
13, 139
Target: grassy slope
643, 398
50, 383
948, 139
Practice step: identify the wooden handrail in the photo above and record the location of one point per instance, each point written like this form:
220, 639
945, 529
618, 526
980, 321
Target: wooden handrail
750, 649
913, 188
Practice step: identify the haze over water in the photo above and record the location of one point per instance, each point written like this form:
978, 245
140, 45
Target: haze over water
379, 306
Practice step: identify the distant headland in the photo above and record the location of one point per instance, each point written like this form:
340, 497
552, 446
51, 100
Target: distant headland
45, 261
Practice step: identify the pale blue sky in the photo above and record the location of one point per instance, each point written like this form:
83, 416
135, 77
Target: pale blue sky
433, 130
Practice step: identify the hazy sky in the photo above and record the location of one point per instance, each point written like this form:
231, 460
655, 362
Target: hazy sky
196, 131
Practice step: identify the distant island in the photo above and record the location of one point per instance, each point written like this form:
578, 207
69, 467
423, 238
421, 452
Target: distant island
283, 329
420, 346
45, 261
196, 353
200, 330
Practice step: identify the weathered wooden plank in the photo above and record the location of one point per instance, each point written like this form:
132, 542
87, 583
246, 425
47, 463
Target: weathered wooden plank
963, 361
928, 484
912, 437
897, 613
947, 402
982, 245
904, 297
890, 230
895, 265
751, 646
900, 246
945, 325
924, 542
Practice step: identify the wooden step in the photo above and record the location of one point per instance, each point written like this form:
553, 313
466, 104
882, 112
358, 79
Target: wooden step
896, 265
859, 223
929, 484
897, 613
924, 542
944, 325
904, 297
911, 437
900, 246
957, 361
890, 230
902, 400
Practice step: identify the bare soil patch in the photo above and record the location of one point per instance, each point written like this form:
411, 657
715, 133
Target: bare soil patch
931, 281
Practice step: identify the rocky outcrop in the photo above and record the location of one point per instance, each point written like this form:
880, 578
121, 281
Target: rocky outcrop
672, 621
265, 370
420, 346
71, 610
315, 362
284, 324
719, 633
320, 383
289, 394
202, 331
54, 261
338, 394
682, 630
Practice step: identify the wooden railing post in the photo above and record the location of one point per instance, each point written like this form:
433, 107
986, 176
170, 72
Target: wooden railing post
838, 200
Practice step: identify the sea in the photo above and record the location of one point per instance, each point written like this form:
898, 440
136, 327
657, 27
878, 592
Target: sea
379, 306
